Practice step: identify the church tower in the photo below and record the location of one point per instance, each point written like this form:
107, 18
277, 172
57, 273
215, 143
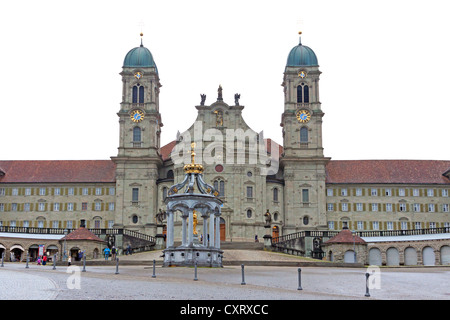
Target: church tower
138, 157
303, 161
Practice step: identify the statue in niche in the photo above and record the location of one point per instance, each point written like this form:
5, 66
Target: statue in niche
203, 96
237, 96
219, 118
268, 218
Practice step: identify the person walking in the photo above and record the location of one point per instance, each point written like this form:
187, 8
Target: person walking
69, 261
113, 252
106, 251
44, 260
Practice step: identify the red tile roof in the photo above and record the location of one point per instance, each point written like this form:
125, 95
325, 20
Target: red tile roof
166, 150
82, 234
345, 236
64, 171
387, 171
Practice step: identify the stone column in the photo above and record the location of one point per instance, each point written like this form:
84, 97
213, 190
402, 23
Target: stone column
183, 236
191, 227
211, 230
217, 235
205, 230
170, 229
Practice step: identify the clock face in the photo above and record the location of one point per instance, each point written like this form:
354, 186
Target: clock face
303, 116
138, 75
137, 116
302, 74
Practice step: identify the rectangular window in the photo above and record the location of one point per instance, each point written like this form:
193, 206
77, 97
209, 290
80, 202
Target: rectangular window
69, 224
55, 224
12, 223
28, 191
430, 192
360, 225
26, 207
2, 191
85, 191
374, 192
97, 224
416, 193
42, 191
98, 191
445, 207
374, 207
112, 191
388, 192
70, 191
330, 207
344, 206
375, 225
110, 224
84, 206
98, 206
329, 192
390, 225
13, 206
418, 225
388, 207
404, 225
135, 195
15, 191
40, 224
359, 207
358, 192
305, 195
344, 192
431, 207
444, 192
41, 206
401, 192
70, 206
2, 207
402, 207
56, 206
432, 225
57, 191
26, 224
249, 192
416, 207
111, 206
331, 225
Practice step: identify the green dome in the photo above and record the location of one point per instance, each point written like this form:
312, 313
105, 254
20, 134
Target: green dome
139, 57
301, 56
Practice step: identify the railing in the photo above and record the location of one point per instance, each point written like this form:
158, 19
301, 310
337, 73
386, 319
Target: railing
60, 231
373, 233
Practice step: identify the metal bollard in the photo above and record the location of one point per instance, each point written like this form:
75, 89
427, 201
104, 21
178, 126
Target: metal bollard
84, 263
54, 262
195, 273
299, 279
243, 280
367, 285
154, 275
117, 265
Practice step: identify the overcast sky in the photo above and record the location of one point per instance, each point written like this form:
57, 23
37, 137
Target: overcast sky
384, 86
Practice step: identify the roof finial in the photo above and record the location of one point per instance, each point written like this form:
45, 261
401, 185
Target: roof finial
300, 38
141, 39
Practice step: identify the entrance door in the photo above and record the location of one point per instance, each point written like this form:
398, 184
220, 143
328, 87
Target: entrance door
275, 232
410, 257
222, 229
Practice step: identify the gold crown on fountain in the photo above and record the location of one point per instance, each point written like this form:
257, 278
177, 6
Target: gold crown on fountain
193, 167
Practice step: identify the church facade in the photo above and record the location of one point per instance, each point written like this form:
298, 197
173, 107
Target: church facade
292, 186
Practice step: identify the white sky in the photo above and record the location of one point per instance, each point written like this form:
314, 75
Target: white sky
384, 86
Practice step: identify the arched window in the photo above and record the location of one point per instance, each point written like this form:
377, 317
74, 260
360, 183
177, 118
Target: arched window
275, 194
249, 213
136, 134
305, 220
303, 93
303, 135
138, 94
219, 185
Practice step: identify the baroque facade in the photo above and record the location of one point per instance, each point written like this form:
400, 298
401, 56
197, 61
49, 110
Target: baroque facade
292, 186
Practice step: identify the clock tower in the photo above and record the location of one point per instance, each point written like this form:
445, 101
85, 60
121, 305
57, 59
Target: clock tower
138, 157
303, 161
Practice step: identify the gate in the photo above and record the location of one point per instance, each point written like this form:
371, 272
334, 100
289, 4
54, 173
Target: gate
429, 258
410, 257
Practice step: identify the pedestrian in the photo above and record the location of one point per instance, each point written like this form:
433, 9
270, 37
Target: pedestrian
113, 252
38, 261
106, 252
44, 260
69, 261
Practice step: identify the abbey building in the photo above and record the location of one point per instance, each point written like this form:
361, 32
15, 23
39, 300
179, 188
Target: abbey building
293, 186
